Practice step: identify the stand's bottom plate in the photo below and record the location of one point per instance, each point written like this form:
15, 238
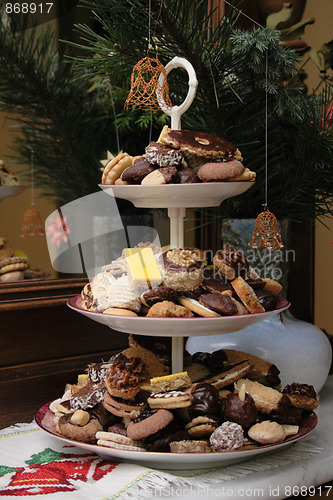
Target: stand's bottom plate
175, 327
181, 461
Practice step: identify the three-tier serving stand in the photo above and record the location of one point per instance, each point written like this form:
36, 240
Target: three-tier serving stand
176, 198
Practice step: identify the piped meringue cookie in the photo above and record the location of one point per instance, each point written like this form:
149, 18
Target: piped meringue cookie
106, 291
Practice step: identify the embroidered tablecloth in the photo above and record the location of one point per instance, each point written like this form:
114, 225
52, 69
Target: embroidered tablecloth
34, 464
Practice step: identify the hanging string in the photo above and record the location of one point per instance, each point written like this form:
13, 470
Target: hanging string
266, 133
32, 176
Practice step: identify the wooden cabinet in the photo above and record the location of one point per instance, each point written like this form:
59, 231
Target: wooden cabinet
44, 345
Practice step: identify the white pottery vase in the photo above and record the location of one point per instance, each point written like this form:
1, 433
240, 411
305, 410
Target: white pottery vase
300, 350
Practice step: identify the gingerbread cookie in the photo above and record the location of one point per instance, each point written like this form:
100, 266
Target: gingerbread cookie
149, 423
197, 308
219, 171
230, 263
230, 375
158, 294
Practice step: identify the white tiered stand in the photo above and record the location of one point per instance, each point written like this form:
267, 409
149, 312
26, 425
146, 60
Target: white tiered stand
176, 198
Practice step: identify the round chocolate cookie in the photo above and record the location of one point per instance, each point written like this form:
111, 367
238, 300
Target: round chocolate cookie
158, 294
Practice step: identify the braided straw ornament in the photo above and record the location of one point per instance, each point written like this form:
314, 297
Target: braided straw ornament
146, 91
266, 233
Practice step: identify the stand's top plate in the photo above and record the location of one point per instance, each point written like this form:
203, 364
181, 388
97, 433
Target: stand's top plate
175, 327
208, 194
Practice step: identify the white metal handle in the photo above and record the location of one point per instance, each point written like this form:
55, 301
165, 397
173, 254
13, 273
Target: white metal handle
175, 112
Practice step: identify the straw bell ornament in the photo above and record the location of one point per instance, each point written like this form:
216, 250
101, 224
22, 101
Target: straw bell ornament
32, 223
146, 90
266, 233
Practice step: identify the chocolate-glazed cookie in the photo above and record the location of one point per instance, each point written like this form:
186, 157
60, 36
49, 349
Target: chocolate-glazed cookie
267, 300
231, 263
161, 155
205, 401
187, 175
214, 361
243, 413
135, 173
219, 303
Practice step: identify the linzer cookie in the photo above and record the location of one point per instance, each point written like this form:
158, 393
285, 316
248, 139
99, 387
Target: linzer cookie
170, 400
115, 167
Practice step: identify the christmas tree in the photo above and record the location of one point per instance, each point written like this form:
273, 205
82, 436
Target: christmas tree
80, 114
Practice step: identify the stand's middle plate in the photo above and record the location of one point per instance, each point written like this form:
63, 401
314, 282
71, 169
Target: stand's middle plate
175, 327
205, 194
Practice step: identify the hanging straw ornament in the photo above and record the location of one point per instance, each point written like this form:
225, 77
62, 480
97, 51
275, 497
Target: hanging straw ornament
266, 233
32, 219
146, 90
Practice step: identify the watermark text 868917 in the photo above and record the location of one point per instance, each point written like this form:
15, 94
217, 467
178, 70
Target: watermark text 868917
12, 8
